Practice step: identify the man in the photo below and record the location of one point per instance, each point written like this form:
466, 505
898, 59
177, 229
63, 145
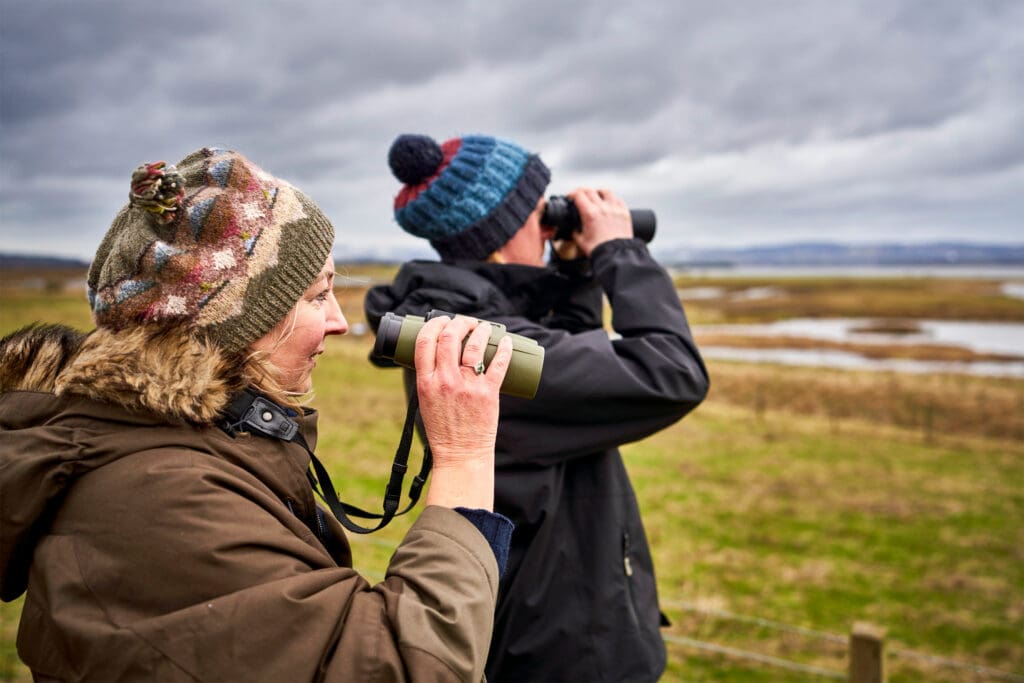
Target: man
578, 601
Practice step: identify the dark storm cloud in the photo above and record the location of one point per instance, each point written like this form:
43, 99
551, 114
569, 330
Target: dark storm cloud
739, 121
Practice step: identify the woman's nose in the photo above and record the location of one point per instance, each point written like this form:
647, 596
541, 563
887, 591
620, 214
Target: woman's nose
336, 323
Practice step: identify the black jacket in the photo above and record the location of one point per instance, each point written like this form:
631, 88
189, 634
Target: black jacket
578, 600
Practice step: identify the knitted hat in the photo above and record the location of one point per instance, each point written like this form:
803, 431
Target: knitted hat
217, 245
468, 195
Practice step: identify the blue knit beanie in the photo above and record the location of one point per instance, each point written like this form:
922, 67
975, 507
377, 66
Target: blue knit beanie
468, 195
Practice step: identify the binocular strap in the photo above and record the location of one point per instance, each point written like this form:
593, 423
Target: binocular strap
392, 494
257, 414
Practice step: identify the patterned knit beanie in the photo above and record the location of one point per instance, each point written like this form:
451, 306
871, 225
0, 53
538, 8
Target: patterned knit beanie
216, 244
468, 195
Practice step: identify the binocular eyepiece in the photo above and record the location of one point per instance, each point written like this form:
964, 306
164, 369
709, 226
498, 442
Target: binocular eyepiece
561, 213
396, 341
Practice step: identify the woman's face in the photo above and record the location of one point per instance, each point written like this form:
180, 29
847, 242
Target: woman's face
295, 342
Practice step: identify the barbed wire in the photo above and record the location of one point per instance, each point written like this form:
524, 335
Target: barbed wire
756, 656
952, 663
839, 638
778, 625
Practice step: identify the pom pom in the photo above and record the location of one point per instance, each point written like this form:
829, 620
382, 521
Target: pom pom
159, 189
414, 158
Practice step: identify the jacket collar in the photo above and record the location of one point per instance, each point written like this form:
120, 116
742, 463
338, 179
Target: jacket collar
485, 290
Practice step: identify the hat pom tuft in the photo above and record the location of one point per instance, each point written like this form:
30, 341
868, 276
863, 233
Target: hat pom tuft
158, 189
414, 158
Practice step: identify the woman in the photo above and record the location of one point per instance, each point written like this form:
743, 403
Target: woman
159, 538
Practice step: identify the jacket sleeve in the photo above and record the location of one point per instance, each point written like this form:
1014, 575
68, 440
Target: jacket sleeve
221, 582
598, 391
581, 306
432, 617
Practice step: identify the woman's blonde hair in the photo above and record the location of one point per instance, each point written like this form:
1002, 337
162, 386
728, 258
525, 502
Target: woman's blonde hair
261, 373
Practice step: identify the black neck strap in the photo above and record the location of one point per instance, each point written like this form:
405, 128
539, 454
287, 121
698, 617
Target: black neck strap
254, 413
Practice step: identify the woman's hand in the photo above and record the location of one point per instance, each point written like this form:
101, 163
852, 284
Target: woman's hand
459, 408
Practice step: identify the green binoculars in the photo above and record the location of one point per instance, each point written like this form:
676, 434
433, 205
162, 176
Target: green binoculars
396, 341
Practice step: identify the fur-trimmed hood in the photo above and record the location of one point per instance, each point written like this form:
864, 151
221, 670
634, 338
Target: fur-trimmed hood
165, 372
71, 403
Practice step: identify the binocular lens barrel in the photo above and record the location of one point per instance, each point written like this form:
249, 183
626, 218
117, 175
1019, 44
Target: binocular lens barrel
388, 333
396, 341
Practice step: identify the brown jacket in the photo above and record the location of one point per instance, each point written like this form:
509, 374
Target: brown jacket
154, 546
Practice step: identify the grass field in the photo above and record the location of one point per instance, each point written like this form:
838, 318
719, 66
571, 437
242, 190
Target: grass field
792, 504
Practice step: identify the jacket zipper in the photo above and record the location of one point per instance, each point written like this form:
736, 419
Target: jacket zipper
627, 570
320, 530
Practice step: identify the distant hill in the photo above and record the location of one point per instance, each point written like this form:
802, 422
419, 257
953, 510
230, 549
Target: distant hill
789, 254
27, 262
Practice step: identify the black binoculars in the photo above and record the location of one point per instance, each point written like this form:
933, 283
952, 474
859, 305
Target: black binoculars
561, 213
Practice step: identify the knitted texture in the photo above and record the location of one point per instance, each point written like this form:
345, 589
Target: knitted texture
468, 195
216, 244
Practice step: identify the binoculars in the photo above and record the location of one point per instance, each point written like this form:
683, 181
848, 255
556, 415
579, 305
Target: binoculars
561, 213
396, 341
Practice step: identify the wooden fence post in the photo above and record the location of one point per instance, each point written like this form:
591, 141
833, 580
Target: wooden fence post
867, 654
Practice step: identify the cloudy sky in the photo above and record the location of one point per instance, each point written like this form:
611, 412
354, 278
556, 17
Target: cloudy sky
740, 122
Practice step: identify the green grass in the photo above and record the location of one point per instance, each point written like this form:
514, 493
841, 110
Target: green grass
21, 308
811, 499
790, 522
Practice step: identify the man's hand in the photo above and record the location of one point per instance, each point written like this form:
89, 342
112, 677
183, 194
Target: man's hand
603, 216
